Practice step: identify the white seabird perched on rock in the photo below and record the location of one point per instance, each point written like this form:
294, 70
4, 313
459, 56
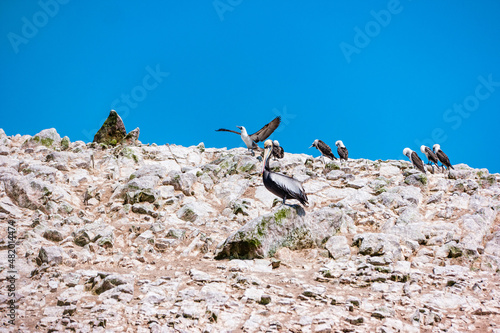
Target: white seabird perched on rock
431, 157
443, 158
415, 159
324, 149
260, 135
278, 151
342, 151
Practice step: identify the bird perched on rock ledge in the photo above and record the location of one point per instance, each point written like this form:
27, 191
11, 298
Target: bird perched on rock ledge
443, 158
342, 151
431, 157
324, 149
278, 151
280, 185
415, 159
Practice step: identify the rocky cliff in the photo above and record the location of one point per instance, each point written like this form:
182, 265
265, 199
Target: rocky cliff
144, 238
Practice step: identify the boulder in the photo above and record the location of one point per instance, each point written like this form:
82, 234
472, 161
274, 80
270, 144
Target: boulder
141, 186
338, 248
286, 226
142, 190
408, 215
192, 211
28, 192
379, 244
52, 255
94, 232
112, 131
47, 137
132, 137
263, 236
104, 281
416, 179
181, 181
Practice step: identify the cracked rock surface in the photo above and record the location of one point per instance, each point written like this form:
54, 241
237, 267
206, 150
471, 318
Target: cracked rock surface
146, 238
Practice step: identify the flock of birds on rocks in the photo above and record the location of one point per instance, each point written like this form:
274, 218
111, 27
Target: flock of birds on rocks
432, 156
287, 187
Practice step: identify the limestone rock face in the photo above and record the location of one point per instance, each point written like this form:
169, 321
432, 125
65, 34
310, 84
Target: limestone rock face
168, 238
28, 192
112, 131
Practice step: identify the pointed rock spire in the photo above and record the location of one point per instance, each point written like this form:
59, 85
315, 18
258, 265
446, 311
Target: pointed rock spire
112, 131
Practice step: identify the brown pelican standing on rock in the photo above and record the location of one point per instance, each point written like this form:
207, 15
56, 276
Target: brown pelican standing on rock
431, 157
443, 158
260, 135
278, 151
342, 151
280, 185
324, 149
414, 159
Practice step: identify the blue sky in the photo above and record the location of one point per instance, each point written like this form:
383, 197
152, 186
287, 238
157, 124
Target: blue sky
379, 75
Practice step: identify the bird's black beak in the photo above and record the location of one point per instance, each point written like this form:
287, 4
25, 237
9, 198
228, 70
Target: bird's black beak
239, 127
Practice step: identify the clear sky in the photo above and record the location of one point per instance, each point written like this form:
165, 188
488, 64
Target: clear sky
379, 75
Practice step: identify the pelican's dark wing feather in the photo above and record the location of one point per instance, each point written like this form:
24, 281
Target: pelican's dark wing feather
287, 186
227, 130
266, 131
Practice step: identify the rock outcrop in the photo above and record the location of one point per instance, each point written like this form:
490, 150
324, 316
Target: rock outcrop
131, 237
113, 132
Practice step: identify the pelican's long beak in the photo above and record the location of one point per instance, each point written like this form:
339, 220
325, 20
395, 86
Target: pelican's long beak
311, 146
267, 152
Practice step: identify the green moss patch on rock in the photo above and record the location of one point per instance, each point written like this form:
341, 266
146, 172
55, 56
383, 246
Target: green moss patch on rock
48, 138
112, 131
129, 153
331, 166
65, 143
263, 236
